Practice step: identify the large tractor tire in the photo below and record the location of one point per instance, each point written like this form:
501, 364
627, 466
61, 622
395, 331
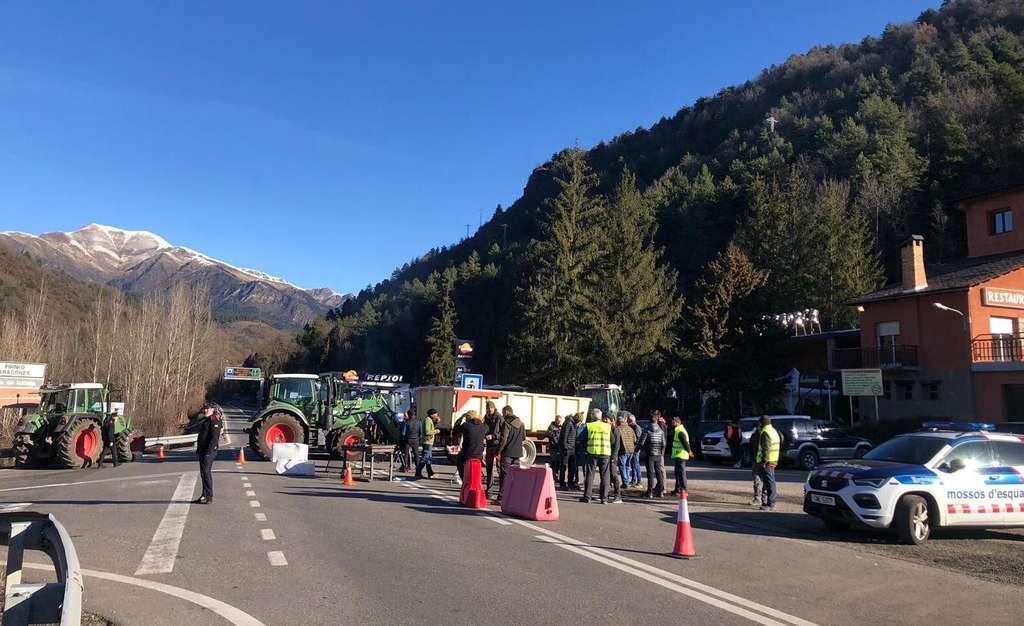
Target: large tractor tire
79, 444
275, 428
24, 450
123, 447
350, 437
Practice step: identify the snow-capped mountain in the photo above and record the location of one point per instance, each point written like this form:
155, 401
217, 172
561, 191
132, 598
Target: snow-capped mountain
141, 262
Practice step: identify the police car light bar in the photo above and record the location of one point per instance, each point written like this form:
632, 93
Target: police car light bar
959, 426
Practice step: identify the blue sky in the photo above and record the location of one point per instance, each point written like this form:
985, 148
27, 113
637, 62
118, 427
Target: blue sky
329, 142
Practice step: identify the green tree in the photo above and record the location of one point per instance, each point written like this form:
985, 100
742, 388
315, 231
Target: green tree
635, 316
552, 347
440, 366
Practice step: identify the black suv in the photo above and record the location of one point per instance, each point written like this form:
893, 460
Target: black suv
806, 443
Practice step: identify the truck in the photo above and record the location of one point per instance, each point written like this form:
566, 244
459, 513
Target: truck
66, 429
331, 411
536, 410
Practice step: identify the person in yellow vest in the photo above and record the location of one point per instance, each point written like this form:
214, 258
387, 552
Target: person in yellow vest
769, 444
680, 452
599, 452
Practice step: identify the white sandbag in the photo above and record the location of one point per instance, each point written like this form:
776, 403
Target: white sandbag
285, 451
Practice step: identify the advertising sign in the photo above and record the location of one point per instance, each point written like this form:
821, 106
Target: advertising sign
242, 373
1006, 298
20, 382
862, 382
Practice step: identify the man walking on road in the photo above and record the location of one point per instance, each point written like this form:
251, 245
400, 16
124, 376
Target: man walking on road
109, 440
513, 434
207, 444
769, 444
652, 442
680, 453
599, 451
427, 455
567, 446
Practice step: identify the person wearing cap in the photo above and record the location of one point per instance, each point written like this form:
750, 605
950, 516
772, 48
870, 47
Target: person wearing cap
207, 443
427, 454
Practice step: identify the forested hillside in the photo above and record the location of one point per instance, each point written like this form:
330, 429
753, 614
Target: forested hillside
652, 259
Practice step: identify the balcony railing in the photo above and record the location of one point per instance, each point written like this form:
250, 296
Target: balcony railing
883, 357
997, 349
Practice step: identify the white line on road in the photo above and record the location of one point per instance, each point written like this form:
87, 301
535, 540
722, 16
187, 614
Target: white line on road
89, 482
254, 504
163, 549
261, 517
495, 519
247, 484
11, 507
267, 534
245, 478
277, 558
228, 612
250, 494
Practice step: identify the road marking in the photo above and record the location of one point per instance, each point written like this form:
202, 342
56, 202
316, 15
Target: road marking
246, 484
277, 558
250, 494
11, 507
261, 517
267, 534
713, 601
245, 478
254, 504
228, 612
163, 549
494, 518
89, 482
433, 491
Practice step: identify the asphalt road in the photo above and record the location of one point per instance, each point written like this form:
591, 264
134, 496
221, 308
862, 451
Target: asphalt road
281, 550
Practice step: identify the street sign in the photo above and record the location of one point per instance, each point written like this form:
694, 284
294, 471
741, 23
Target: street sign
243, 373
862, 382
20, 382
471, 381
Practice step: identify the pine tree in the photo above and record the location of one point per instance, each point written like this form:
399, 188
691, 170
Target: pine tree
551, 347
440, 366
634, 319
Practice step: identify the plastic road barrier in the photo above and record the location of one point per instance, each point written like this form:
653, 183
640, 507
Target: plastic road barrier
530, 494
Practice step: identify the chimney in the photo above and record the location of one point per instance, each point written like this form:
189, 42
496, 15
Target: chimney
912, 253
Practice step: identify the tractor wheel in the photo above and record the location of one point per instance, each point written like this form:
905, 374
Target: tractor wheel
24, 453
123, 447
275, 428
350, 437
79, 444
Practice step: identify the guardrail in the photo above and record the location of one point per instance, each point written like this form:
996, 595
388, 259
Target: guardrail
175, 440
40, 603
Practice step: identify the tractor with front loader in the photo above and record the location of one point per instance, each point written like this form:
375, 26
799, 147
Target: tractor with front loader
66, 430
329, 411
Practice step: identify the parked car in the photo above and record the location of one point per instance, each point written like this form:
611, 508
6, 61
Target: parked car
805, 442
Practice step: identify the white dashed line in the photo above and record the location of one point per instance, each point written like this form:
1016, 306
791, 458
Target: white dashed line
277, 558
267, 534
250, 494
245, 478
261, 517
254, 504
163, 549
247, 484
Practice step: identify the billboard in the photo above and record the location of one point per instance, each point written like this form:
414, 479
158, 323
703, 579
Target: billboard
243, 373
20, 382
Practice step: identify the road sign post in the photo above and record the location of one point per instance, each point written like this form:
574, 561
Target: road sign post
862, 382
471, 381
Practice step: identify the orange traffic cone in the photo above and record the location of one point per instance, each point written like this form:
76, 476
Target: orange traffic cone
348, 476
160, 455
684, 547
241, 456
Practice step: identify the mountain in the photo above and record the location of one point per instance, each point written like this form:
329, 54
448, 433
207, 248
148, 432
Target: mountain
141, 262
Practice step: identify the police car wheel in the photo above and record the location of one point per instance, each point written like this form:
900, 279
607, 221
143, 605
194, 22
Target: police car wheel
912, 520
808, 459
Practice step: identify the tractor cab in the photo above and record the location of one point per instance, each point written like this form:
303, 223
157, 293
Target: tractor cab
299, 390
606, 397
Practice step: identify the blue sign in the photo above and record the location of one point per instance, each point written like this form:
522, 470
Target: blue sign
471, 381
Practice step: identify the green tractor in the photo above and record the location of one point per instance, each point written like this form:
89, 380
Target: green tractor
66, 430
328, 411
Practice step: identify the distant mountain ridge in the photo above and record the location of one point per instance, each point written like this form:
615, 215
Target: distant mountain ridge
141, 262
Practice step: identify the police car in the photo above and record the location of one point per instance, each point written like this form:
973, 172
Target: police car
920, 481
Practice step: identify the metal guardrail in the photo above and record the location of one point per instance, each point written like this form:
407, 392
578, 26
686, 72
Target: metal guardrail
40, 603
175, 440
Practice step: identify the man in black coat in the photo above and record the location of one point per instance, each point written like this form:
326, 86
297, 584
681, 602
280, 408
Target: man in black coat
510, 447
567, 448
109, 440
413, 439
207, 443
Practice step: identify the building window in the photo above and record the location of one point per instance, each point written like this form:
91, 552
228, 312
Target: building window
887, 389
934, 390
1000, 222
908, 389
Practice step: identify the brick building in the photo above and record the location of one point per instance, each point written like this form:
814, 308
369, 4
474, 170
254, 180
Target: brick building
950, 338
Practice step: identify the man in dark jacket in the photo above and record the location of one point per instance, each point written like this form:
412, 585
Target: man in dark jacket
554, 452
510, 447
470, 426
207, 444
652, 442
567, 447
413, 439
109, 440
493, 421
613, 461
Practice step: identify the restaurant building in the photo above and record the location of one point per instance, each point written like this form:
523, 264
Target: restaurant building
949, 338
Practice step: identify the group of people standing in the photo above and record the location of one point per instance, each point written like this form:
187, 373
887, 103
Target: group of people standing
490, 437
416, 447
612, 449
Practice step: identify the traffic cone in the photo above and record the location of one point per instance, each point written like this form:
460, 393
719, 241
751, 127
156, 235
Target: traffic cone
241, 456
160, 455
684, 547
348, 476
